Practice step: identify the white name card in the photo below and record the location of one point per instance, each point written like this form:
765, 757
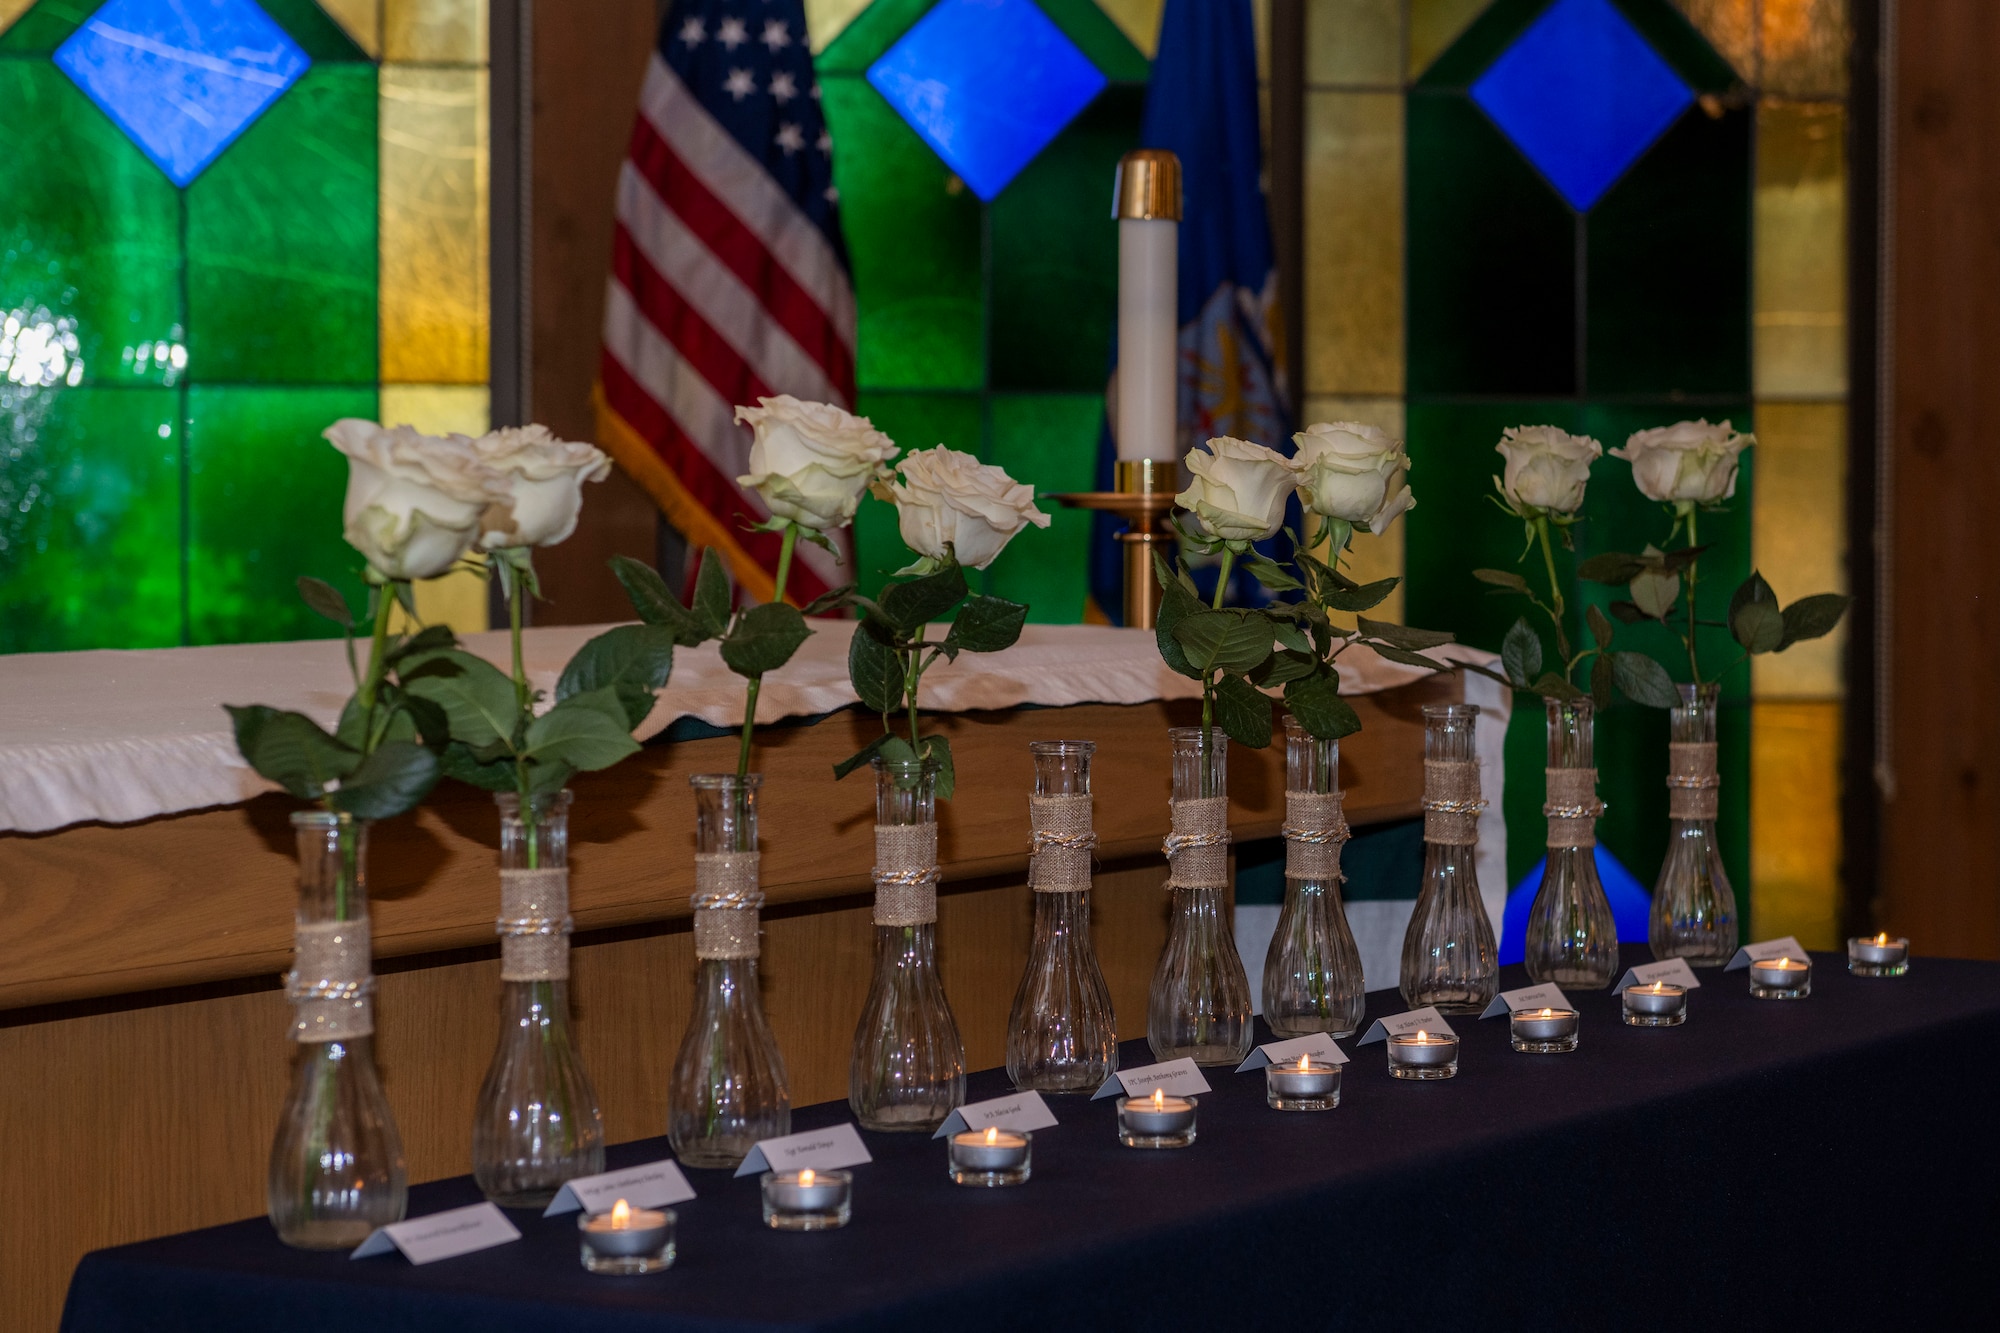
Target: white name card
1022, 1112
1427, 1019
1176, 1078
446, 1235
1673, 971
1316, 1044
1548, 995
1757, 953
821, 1149
654, 1185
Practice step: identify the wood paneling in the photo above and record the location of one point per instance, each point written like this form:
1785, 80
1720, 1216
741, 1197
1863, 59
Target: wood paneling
1940, 880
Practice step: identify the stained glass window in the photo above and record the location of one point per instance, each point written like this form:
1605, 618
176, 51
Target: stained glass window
237, 221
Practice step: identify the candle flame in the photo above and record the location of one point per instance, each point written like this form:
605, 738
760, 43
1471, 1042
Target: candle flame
1883, 938
621, 1215
1422, 1036
1159, 1097
806, 1178
1305, 1061
1547, 1012
992, 1137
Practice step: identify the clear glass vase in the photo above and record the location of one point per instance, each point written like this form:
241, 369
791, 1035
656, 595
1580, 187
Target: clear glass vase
1449, 957
1312, 974
1694, 908
537, 1122
1199, 1005
728, 1088
908, 1071
1061, 1035
1572, 936
336, 1170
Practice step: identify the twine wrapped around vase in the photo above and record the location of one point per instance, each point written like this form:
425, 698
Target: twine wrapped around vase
1064, 835
331, 982
1198, 848
726, 898
1451, 802
1693, 789
1572, 807
906, 874
534, 925
1315, 828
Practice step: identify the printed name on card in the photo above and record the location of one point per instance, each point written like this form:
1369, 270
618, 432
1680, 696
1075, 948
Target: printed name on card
1426, 1019
1022, 1112
821, 1149
1175, 1078
1548, 995
1757, 953
654, 1185
435, 1236
1673, 971
1316, 1044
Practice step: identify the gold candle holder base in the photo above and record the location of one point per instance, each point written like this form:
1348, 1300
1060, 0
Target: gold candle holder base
1144, 499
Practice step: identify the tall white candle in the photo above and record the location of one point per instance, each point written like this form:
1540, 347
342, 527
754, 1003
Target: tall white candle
1148, 209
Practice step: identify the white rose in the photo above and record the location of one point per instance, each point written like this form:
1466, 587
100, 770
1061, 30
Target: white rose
811, 461
413, 500
1345, 470
544, 479
1546, 469
1689, 462
1239, 489
946, 498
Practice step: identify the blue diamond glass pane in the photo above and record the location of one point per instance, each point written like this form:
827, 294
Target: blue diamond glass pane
1582, 95
182, 78
987, 84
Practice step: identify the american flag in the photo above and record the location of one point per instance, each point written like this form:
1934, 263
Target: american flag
729, 280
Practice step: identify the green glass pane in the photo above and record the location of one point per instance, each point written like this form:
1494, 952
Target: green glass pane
913, 237
281, 240
90, 518
1484, 38
913, 421
89, 235
1668, 249
1086, 24
1054, 251
1678, 42
873, 31
317, 34
45, 27
1048, 441
1492, 261
264, 497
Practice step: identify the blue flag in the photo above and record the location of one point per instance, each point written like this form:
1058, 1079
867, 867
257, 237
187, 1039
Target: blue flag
1202, 105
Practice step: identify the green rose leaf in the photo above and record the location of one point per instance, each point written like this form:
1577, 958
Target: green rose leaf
1627, 613
1602, 678
549, 777
430, 639
866, 753
1813, 617
291, 750
1601, 628
479, 768
911, 606
1290, 636
586, 731
939, 749
764, 639
1502, 578
1521, 653
1243, 711
874, 671
1285, 667
634, 660
1176, 605
1654, 591
987, 625
1643, 681
1403, 636
654, 603
829, 601
1364, 598
1613, 567
1551, 686
326, 600
1408, 658
1229, 640
1270, 573
1754, 618
1315, 701
388, 782
477, 697
711, 593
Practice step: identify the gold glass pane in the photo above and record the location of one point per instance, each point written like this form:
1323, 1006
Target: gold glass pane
1801, 250
826, 18
1373, 555
435, 31
361, 18
1799, 534
1139, 20
13, 9
1354, 243
434, 305
1805, 45
457, 599
1357, 43
1436, 24
1730, 27
1795, 822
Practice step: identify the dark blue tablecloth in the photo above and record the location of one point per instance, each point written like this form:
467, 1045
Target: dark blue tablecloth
1830, 1161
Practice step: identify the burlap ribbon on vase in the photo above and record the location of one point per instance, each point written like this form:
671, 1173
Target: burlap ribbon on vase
1451, 802
534, 925
1315, 828
726, 898
1572, 807
1064, 835
1693, 789
1198, 848
332, 982
906, 874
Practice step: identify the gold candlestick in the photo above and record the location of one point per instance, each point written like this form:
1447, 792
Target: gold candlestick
1144, 499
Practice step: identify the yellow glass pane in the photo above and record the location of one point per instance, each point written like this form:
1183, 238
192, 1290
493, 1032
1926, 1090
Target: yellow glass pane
1805, 45
434, 301
1260, 23
361, 18
1354, 243
447, 31
1801, 250
1373, 555
1355, 43
1139, 20
1730, 27
826, 18
1436, 24
1795, 822
11, 10
458, 599
1798, 528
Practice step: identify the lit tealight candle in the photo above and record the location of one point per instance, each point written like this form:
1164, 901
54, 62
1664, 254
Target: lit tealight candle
807, 1200
1780, 978
1659, 1004
627, 1240
1158, 1121
991, 1157
1301, 1085
1423, 1055
1879, 957
1544, 1031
